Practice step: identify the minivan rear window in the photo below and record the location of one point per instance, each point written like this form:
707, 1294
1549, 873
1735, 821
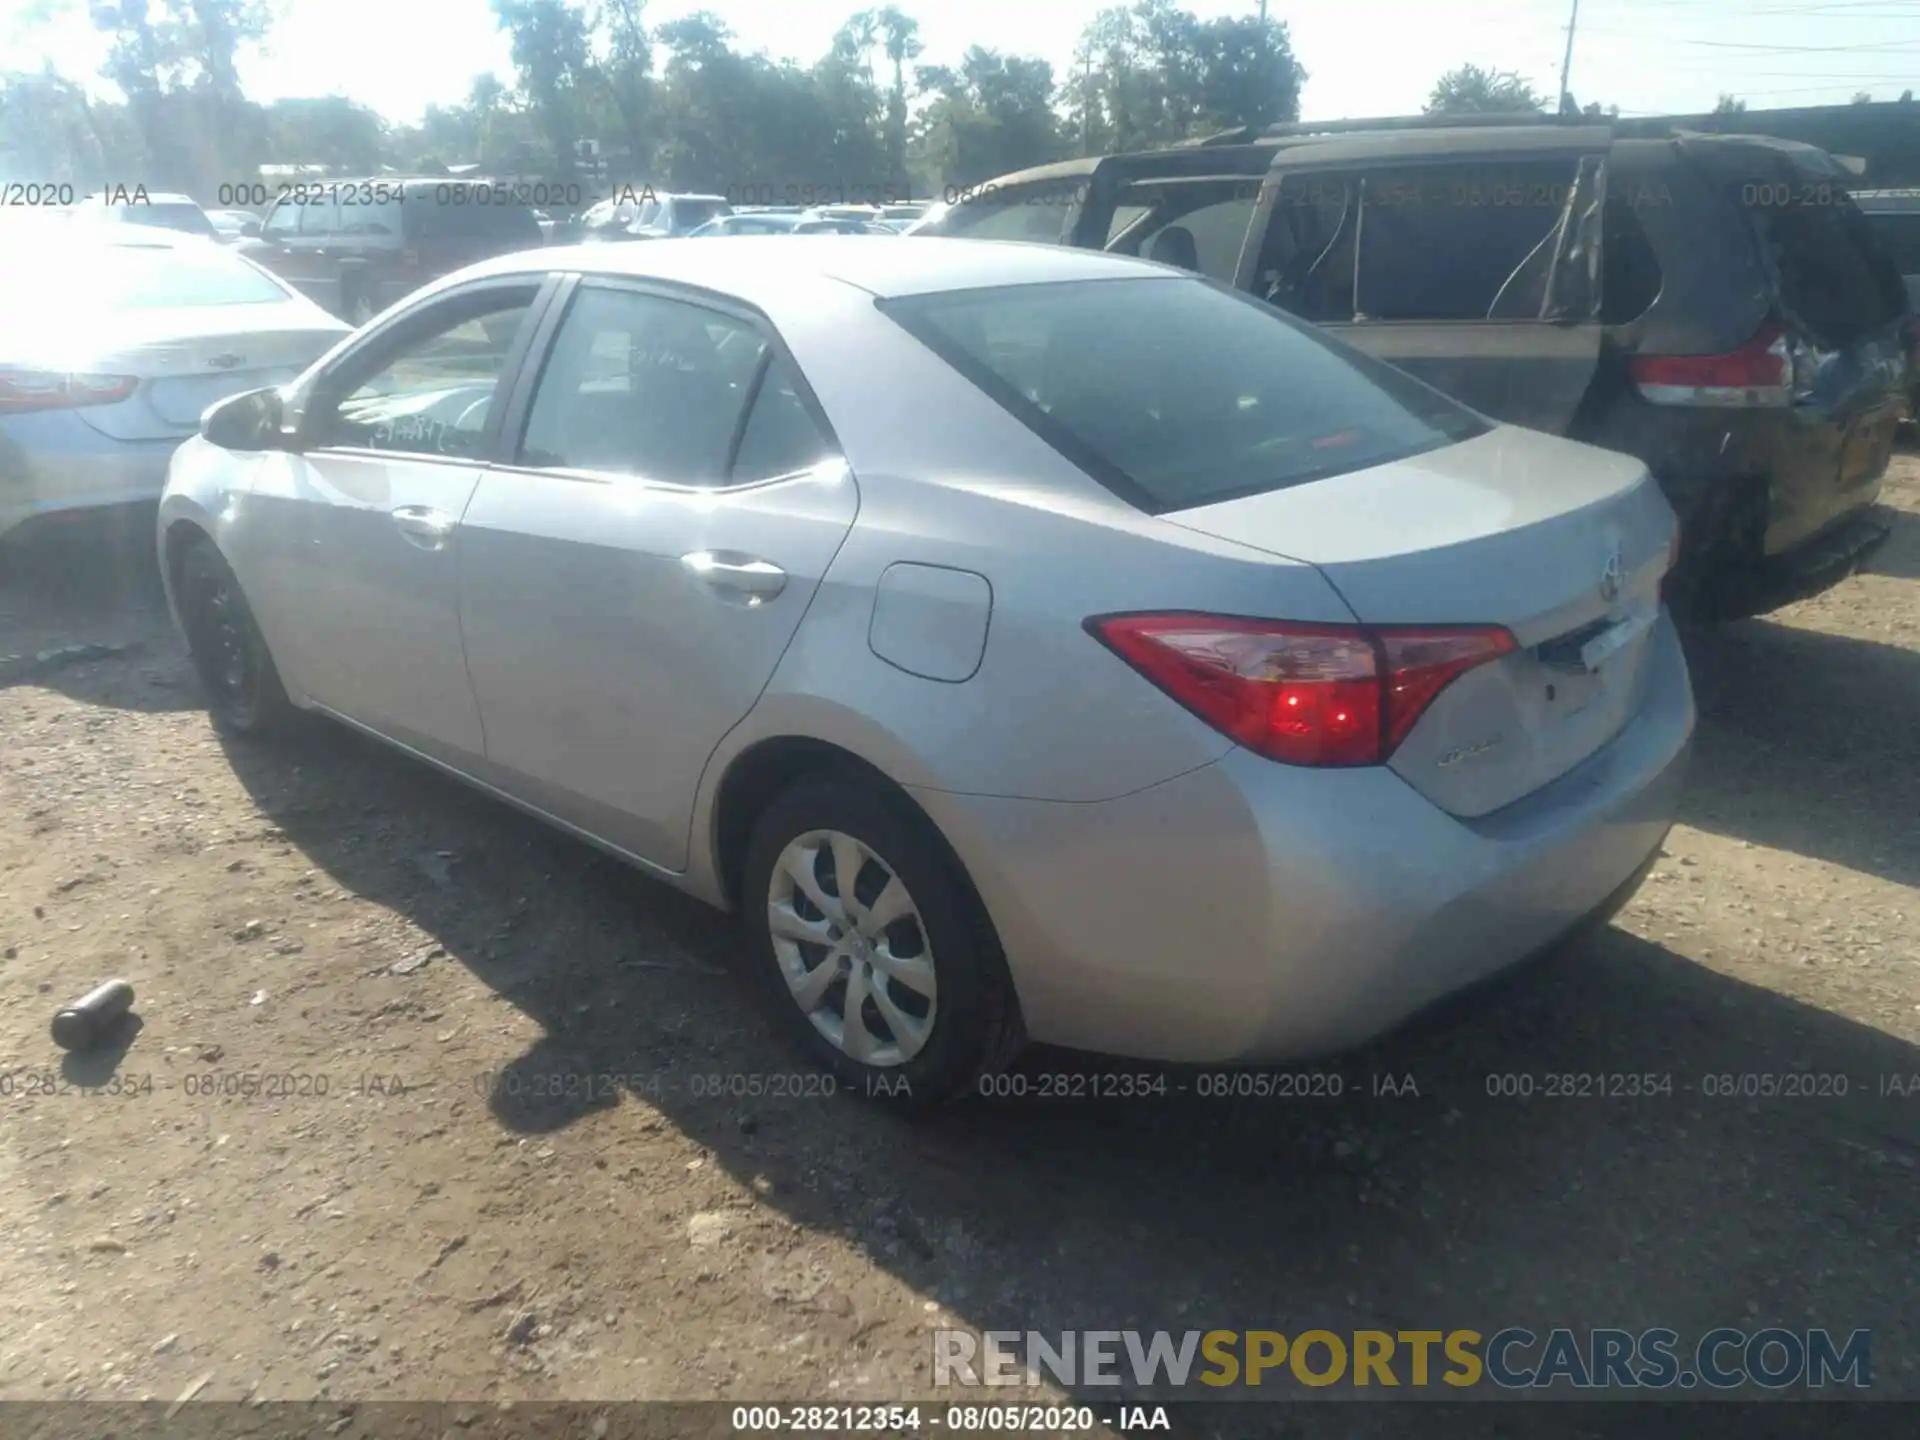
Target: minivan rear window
1833, 273
1177, 392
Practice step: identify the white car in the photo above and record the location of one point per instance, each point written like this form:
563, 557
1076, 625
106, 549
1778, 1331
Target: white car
113, 340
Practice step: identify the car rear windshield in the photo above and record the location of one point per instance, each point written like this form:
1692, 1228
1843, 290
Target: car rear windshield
142, 277
1834, 275
1179, 392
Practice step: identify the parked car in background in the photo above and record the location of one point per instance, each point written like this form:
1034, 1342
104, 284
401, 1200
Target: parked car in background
235, 224
901, 216
803, 585
862, 213
650, 216
749, 222
1713, 304
113, 339
356, 246
157, 211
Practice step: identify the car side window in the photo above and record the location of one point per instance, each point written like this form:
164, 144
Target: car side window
1460, 242
283, 220
431, 393
642, 385
1306, 265
780, 437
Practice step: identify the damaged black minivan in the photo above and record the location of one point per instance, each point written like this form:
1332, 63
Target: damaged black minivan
1714, 305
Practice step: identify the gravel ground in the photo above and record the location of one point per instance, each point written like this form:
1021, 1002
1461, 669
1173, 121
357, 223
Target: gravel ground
403, 1207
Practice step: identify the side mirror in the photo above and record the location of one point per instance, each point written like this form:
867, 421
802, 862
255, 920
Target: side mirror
248, 421
251, 229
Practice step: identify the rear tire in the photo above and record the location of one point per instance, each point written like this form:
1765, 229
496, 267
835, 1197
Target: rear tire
230, 655
936, 1008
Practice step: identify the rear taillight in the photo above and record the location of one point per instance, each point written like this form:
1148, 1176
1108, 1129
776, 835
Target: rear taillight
1300, 693
25, 390
1759, 373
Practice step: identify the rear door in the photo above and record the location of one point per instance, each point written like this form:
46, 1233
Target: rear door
635, 565
1475, 268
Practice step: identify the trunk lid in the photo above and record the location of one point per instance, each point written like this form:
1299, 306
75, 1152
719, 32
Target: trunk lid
185, 360
1563, 544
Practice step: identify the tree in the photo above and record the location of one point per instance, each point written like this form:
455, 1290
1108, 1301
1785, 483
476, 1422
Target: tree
1861, 97
624, 61
344, 135
987, 118
1471, 90
549, 46
1729, 104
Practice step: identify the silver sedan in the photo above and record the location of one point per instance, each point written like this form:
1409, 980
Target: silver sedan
113, 339
1025, 642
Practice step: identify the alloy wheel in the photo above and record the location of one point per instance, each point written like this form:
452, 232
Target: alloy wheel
852, 948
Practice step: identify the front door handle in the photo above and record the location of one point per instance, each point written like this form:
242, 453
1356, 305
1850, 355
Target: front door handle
423, 526
736, 576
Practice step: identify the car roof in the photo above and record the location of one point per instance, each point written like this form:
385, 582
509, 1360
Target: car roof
927, 266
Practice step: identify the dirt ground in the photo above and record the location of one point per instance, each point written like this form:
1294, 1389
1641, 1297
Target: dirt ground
412, 1212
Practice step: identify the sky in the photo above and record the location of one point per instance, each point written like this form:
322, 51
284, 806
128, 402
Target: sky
1363, 57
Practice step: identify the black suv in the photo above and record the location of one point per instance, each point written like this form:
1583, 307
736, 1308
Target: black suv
1714, 305
357, 246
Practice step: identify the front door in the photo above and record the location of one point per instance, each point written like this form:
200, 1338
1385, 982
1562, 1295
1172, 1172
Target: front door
632, 577
1479, 275
360, 530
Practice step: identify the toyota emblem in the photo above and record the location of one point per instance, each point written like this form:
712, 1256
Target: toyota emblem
1613, 575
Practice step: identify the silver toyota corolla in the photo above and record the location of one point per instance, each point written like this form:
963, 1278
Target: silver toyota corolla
1026, 642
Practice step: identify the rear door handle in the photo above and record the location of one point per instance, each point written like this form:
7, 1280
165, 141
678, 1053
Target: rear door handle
736, 576
423, 526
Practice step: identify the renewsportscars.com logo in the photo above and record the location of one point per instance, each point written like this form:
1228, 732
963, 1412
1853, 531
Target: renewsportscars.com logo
1510, 1359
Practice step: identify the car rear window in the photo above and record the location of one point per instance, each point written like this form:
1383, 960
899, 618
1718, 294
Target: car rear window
148, 277
689, 213
1834, 275
1179, 392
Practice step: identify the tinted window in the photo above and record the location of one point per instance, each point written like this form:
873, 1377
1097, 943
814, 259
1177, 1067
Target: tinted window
1177, 392
458, 214
321, 217
1833, 273
1023, 212
382, 215
1440, 243
642, 385
1631, 279
1215, 219
1306, 266
781, 436
433, 394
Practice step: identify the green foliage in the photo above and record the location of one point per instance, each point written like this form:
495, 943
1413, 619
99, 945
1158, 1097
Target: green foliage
1471, 90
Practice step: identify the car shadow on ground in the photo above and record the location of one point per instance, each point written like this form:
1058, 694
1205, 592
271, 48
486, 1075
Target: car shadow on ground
1808, 742
1900, 555
1483, 1168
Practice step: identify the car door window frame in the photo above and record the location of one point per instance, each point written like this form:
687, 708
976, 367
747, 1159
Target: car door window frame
542, 337
286, 206
1585, 163
422, 319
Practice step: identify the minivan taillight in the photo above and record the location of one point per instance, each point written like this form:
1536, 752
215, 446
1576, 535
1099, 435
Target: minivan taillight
1759, 373
1303, 694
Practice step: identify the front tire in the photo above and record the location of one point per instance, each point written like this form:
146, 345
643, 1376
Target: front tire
237, 673
891, 979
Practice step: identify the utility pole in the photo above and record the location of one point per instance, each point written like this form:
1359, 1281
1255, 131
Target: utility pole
1566, 63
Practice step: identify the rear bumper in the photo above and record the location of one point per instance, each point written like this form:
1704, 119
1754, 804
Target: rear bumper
1249, 911
1815, 565
52, 463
